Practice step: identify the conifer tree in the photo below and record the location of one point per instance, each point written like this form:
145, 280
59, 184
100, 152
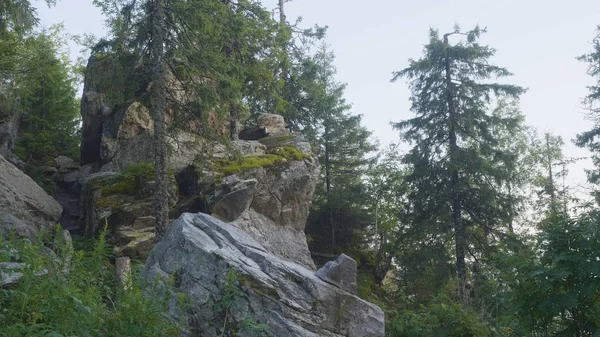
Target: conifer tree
452, 178
48, 126
214, 54
339, 217
590, 138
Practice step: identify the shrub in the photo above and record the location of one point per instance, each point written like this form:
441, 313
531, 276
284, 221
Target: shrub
82, 302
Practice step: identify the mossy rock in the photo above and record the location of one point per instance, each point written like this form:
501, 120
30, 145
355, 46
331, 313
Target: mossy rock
262, 290
275, 156
276, 141
290, 153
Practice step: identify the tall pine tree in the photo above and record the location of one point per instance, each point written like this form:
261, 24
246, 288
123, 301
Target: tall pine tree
339, 215
452, 177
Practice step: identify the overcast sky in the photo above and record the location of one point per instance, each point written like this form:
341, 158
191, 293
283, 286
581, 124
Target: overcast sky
537, 40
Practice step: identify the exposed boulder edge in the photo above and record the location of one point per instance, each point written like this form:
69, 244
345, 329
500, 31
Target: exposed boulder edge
272, 124
25, 207
289, 298
341, 272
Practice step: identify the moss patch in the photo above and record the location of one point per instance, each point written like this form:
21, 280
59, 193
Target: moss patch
275, 156
246, 280
290, 153
128, 181
274, 141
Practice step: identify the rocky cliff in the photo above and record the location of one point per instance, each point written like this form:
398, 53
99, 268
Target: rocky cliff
263, 185
258, 190
25, 207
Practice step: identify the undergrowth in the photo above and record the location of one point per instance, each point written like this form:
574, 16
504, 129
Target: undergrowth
226, 306
80, 301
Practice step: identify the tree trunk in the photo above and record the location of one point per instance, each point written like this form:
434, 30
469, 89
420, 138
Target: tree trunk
281, 12
511, 210
123, 272
551, 188
460, 234
233, 113
159, 107
234, 130
328, 187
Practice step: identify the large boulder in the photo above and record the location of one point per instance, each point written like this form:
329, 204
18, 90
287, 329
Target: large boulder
24, 206
199, 251
272, 124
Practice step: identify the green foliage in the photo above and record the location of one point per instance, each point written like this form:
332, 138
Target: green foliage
438, 319
225, 307
589, 139
49, 126
129, 180
275, 156
338, 217
443, 316
457, 172
80, 302
558, 294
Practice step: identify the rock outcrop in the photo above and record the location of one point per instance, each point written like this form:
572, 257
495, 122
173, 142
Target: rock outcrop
263, 186
25, 207
125, 205
199, 251
342, 273
272, 202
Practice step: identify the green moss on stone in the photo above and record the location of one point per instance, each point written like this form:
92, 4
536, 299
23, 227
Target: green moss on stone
246, 280
229, 167
275, 156
290, 153
103, 203
275, 141
127, 182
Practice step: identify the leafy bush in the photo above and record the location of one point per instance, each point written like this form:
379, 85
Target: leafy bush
82, 302
225, 307
128, 181
443, 317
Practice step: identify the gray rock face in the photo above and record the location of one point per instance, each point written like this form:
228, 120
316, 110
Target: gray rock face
237, 199
24, 206
341, 272
275, 209
290, 299
9, 124
272, 124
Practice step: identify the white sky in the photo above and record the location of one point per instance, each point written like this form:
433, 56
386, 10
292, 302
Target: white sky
537, 40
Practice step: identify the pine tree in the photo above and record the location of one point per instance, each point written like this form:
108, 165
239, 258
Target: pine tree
214, 54
452, 179
48, 128
343, 147
589, 139
385, 186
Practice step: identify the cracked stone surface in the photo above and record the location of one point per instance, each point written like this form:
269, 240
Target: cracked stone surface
274, 208
289, 298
